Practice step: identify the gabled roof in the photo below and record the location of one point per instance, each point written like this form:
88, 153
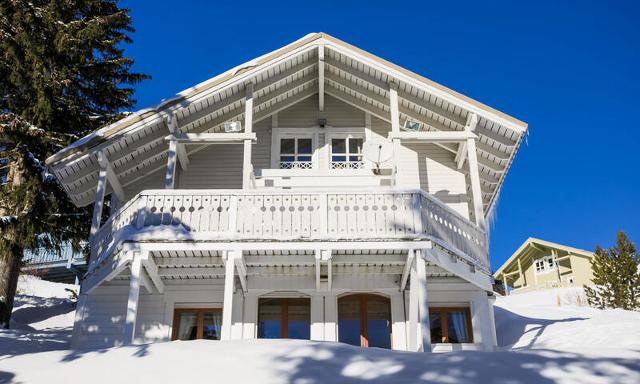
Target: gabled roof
135, 145
533, 242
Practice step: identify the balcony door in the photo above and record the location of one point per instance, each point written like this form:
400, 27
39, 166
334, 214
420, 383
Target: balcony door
364, 320
284, 318
197, 323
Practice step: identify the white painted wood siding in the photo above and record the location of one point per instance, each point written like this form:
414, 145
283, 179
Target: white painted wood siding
424, 166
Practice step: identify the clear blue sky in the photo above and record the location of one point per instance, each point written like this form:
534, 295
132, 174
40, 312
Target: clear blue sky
571, 70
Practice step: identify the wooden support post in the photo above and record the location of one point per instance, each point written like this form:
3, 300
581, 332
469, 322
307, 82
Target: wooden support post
407, 269
321, 78
521, 275
413, 308
183, 157
170, 177
227, 306
318, 268
132, 301
99, 203
247, 169
242, 272
474, 176
395, 129
423, 304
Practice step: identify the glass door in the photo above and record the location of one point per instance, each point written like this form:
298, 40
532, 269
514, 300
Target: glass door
364, 320
283, 318
197, 323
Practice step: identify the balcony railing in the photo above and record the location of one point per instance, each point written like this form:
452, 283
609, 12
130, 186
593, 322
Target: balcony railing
281, 215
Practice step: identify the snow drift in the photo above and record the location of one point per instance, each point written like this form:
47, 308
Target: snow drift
540, 342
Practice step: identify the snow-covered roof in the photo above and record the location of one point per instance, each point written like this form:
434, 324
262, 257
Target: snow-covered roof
135, 145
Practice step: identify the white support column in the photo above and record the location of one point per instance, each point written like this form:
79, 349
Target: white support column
474, 176
414, 330
407, 269
330, 317
242, 272
170, 177
227, 306
247, 168
395, 129
250, 325
99, 204
321, 78
423, 307
398, 322
482, 321
132, 301
317, 318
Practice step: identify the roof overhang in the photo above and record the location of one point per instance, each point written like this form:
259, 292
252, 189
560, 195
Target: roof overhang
136, 145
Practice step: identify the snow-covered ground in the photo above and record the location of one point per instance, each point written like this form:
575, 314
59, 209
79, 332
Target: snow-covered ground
540, 342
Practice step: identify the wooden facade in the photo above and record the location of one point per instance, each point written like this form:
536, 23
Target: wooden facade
206, 215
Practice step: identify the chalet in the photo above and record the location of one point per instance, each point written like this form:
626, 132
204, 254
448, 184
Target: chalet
540, 264
317, 192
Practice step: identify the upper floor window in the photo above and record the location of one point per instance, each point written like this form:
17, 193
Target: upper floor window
545, 264
296, 153
346, 152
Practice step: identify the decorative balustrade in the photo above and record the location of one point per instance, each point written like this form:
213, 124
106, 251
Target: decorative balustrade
281, 215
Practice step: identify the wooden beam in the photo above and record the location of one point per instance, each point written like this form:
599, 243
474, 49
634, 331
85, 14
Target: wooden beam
170, 176
474, 176
99, 201
318, 258
152, 270
407, 269
103, 161
434, 136
183, 157
326, 257
247, 168
321, 77
213, 138
470, 126
242, 272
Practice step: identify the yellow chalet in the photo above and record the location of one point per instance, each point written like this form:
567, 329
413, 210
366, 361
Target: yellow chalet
540, 264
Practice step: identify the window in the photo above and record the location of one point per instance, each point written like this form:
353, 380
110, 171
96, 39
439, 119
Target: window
545, 264
296, 153
365, 321
346, 153
450, 325
284, 319
191, 324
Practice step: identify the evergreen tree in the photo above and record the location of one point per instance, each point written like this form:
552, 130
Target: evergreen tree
616, 276
62, 75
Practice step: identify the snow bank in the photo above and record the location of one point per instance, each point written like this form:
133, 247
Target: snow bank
553, 319
541, 342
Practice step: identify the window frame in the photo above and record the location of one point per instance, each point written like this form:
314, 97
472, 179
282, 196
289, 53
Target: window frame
296, 154
347, 136
363, 299
284, 314
199, 322
444, 322
548, 265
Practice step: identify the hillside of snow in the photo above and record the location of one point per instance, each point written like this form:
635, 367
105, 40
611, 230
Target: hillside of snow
544, 337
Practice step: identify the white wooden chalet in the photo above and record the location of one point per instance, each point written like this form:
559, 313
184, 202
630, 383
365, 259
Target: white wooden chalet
253, 205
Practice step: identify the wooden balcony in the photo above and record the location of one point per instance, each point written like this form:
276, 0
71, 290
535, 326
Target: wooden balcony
285, 216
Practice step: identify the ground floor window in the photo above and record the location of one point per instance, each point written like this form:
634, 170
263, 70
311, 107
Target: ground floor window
364, 320
284, 318
451, 325
201, 323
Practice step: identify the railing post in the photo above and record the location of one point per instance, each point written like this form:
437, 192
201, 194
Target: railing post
142, 212
233, 215
324, 213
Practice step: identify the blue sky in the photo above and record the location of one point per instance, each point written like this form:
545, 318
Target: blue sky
569, 69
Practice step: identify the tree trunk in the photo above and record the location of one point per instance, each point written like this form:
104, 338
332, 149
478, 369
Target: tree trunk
9, 273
